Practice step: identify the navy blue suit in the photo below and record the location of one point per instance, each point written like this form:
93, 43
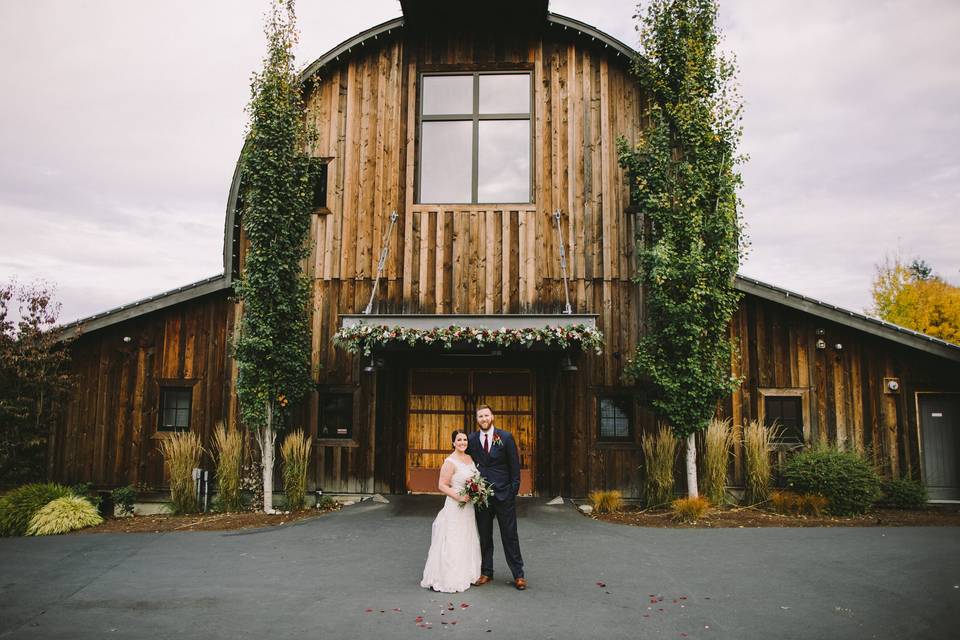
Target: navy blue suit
501, 468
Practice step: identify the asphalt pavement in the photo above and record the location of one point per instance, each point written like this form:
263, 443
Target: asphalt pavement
355, 574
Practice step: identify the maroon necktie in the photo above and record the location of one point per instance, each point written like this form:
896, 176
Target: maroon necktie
486, 443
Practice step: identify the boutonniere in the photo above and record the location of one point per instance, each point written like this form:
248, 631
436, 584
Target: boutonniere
497, 442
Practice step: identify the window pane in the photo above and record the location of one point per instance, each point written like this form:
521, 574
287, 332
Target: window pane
445, 162
614, 417
505, 94
336, 415
504, 161
447, 94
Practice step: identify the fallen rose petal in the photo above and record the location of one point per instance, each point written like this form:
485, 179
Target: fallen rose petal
368, 611
601, 584
464, 605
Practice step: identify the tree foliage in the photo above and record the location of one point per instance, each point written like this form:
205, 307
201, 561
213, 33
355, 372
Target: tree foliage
34, 379
273, 345
685, 181
912, 296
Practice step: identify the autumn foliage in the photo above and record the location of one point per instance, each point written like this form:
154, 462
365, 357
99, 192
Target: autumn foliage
912, 296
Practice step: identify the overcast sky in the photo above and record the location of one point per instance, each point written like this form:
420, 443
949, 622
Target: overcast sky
121, 122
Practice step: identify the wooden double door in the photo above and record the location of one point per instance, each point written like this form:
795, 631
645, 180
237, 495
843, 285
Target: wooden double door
442, 400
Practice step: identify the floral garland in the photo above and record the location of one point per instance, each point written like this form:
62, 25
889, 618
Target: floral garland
362, 338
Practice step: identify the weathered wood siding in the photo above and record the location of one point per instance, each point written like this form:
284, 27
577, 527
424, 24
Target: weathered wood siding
109, 433
485, 259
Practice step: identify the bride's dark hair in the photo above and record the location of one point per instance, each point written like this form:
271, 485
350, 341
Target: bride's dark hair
456, 432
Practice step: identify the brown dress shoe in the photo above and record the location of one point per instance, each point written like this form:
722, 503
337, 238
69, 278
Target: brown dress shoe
482, 580
520, 584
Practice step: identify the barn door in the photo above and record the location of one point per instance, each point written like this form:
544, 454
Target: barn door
442, 400
940, 425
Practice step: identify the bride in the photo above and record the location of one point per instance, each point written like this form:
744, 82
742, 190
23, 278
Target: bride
453, 562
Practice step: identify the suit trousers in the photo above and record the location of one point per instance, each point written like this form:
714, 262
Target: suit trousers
505, 511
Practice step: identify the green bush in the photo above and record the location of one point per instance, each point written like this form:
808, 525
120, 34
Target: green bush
63, 515
845, 478
18, 506
123, 499
903, 493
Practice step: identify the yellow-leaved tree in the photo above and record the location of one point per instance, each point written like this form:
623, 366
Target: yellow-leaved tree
912, 296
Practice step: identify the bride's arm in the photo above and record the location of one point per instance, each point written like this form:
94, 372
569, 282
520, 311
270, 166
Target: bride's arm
446, 475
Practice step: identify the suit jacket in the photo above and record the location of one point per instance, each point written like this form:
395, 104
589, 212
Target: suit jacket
501, 467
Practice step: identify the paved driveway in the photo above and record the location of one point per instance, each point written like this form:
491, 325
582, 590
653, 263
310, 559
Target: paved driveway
316, 579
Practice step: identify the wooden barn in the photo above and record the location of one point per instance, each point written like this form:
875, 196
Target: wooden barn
495, 148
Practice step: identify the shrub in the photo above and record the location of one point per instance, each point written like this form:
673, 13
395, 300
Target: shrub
228, 458
296, 458
757, 441
606, 501
689, 509
123, 499
717, 440
326, 503
63, 515
659, 454
181, 455
845, 478
18, 506
903, 493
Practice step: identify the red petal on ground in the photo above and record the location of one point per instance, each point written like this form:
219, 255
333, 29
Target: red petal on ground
368, 611
397, 610
601, 584
418, 619
464, 605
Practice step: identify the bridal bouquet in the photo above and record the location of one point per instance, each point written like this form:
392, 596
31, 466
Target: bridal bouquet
477, 490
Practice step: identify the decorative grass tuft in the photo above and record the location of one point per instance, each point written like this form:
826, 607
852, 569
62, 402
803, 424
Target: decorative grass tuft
18, 506
757, 443
228, 458
718, 441
606, 501
660, 455
689, 509
181, 455
296, 459
784, 502
813, 504
62, 516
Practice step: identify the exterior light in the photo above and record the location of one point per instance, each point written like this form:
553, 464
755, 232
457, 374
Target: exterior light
568, 364
821, 344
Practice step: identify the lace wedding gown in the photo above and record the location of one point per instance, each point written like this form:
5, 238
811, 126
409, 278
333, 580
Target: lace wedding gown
453, 562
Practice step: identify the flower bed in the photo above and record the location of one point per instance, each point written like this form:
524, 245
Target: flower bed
363, 338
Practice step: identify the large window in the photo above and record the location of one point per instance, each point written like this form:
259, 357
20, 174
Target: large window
475, 140
175, 408
616, 418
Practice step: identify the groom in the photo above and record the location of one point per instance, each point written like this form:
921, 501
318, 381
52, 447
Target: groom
495, 454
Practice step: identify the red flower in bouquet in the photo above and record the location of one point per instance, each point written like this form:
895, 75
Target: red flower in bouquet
477, 490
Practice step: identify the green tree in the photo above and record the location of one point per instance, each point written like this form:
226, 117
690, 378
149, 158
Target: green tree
684, 180
34, 380
273, 342
913, 296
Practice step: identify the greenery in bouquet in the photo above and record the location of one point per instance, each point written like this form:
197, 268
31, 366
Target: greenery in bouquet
477, 490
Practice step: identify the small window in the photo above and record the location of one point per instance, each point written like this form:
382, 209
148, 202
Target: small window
318, 183
475, 138
336, 416
616, 418
175, 408
786, 414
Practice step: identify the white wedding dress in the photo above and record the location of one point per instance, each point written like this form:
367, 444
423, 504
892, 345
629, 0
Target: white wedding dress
453, 562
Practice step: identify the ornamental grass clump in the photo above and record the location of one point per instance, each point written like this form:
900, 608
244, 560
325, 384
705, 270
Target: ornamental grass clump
689, 509
660, 454
606, 501
181, 455
19, 506
718, 441
845, 478
228, 459
791, 503
62, 516
757, 443
296, 458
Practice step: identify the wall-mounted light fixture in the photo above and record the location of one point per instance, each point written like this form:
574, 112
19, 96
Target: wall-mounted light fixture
821, 344
127, 339
838, 347
891, 385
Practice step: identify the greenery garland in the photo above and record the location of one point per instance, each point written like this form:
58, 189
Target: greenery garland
363, 338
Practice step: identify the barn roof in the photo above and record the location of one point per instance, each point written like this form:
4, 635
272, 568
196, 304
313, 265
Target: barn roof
744, 284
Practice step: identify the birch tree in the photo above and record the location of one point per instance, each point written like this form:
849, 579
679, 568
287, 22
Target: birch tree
684, 180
